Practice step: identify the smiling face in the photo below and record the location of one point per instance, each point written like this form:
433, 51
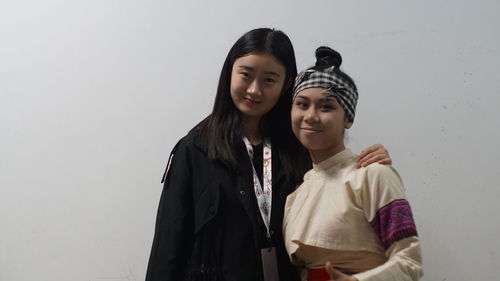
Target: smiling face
256, 84
318, 121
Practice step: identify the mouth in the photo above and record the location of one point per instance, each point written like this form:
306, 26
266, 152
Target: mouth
311, 130
251, 101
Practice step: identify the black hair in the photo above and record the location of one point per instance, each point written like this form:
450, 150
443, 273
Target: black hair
221, 129
327, 57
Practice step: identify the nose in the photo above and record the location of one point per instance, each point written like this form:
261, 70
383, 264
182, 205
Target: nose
311, 116
254, 88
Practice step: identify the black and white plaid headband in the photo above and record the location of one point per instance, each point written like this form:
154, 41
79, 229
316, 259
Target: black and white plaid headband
333, 83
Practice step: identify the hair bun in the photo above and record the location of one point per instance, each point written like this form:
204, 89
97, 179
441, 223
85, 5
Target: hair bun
327, 57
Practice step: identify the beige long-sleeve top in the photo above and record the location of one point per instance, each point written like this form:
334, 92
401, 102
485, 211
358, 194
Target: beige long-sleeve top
358, 219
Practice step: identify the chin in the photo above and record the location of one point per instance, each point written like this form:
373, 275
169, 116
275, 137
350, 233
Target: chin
310, 141
310, 145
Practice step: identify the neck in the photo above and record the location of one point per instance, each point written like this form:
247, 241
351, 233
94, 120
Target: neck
321, 155
251, 130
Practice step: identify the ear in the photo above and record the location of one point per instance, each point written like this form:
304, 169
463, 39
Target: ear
348, 125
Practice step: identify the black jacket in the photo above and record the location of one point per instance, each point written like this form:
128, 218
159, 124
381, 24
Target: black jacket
208, 225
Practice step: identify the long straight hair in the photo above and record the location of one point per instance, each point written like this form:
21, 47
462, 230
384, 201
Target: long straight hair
222, 128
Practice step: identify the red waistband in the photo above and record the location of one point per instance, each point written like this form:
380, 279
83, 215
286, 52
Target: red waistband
318, 274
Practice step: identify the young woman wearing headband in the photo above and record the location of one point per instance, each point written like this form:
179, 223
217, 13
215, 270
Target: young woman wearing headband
344, 223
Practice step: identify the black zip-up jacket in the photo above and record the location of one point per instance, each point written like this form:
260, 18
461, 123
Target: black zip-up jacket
208, 225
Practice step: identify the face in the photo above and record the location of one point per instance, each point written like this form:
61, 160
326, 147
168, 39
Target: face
256, 84
318, 121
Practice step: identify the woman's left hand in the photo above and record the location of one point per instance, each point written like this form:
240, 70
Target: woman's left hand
376, 153
336, 275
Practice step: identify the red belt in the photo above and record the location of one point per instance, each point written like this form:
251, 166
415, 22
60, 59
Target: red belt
318, 274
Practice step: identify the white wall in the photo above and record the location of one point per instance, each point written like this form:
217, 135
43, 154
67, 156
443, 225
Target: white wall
94, 94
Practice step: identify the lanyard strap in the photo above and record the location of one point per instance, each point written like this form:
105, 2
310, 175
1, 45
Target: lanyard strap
264, 195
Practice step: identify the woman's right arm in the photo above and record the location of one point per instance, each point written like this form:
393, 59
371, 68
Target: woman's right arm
174, 221
388, 211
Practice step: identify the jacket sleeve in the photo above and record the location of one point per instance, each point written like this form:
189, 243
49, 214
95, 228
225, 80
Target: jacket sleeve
174, 222
388, 211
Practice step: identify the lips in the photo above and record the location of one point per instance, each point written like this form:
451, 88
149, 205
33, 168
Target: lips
311, 130
251, 101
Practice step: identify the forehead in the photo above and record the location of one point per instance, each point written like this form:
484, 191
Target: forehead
316, 94
260, 62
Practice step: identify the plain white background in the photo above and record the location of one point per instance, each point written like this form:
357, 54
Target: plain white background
94, 94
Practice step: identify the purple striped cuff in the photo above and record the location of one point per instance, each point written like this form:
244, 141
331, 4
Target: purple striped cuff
394, 222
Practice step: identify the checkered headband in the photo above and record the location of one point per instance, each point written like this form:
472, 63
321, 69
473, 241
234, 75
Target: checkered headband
333, 83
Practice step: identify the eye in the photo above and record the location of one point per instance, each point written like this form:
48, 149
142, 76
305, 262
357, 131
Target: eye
270, 81
301, 104
245, 74
326, 108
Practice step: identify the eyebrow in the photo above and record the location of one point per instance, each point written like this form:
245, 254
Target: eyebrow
328, 99
302, 97
321, 100
266, 72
